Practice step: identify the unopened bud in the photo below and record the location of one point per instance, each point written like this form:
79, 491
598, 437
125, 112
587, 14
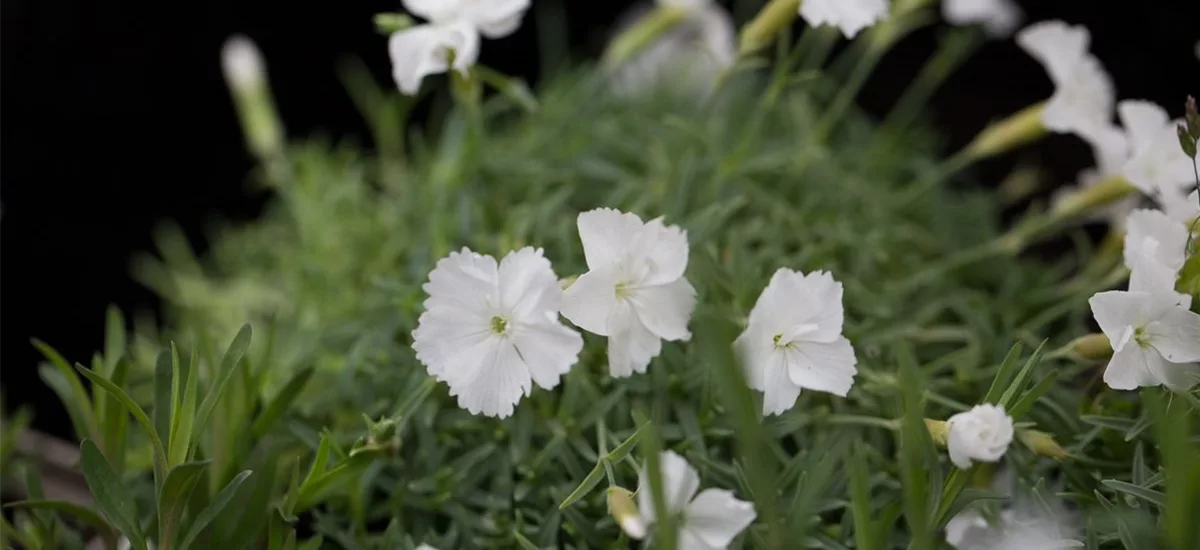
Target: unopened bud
642, 33
246, 76
1093, 346
1043, 444
1192, 116
1005, 135
623, 509
1186, 141
389, 23
1088, 198
939, 431
760, 31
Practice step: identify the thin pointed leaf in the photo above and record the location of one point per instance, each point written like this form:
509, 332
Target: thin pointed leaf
173, 498
214, 509
183, 417
1029, 398
163, 379
112, 498
1148, 495
82, 513
231, 360
281, 402
160, 455
1009, 397
584, 486
78, 396
1004, 374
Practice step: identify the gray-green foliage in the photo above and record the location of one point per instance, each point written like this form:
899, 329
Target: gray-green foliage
332, 275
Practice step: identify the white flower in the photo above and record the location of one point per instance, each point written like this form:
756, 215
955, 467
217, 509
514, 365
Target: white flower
794, 340
452, 33
1154, 338
998, 17
491, 331
981, 434
850, 16
1013, 530
1181, 208
1110, 149
425, 547
690, 55
1084, 95
1154, 250
242, 63
1156, 163
634, 291
706, 521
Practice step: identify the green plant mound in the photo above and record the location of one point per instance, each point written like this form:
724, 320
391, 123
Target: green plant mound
331, 277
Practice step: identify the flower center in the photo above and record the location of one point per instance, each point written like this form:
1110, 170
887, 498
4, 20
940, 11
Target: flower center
499, 325
622, 290
778, 341
1140, 337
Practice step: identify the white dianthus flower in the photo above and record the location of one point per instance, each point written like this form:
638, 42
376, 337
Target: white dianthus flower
450, 39
981, 434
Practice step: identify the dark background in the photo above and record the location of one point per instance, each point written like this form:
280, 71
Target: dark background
115, 117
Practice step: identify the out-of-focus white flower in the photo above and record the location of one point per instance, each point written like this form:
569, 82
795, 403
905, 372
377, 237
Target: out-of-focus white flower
242, 63
1154, 250
706, 521
450, 39
850, 16
634, 291
1156, 164
998, 17
425, 547
980, 434
794, 340
1084, 95
1178, 207
690, 56
1110, 149
1030, 523
1155, 339
492, 331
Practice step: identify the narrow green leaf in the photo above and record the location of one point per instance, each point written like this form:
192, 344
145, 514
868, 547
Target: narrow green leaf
1004, 374
1138, 427
313, 543
114, 422
1109, 422
1009, 397
860, 500
231, 360
523, 542
1029, 398
160, 455
585, 486
288, 507
621, 451
164, 379
114, 339
213, 510
915, 447
664, 528
1177, 451
252, 502
183, 416
342, 474
319, 461
281, 402
173, 498
72, 393
111, 497
1148, 495
56, 382
82, 513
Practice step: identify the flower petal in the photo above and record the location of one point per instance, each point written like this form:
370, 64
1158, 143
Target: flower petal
1129, 368
663, 249
665, 309
631, 345
792, 298
823, 366
1116, 310
850, 16
606, 235
416, 53
780, 392
716, 517
1156, 236
548, 349
1143, 121
680, 481
689, 540
1056, 45
1176, 335
497, 18
590, 300
498, 384
754, 348
527, 284
1083, 102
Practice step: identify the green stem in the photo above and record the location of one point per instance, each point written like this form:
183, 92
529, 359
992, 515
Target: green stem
958, 44
857, 420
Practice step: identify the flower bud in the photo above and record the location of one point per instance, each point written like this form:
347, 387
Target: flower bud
1192, 116
939, 431
642, 34
623, 509
390, 23
1043, 444
1018, 129
1093, 346
1104, 193
245, 75
761, 30
1186, 141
